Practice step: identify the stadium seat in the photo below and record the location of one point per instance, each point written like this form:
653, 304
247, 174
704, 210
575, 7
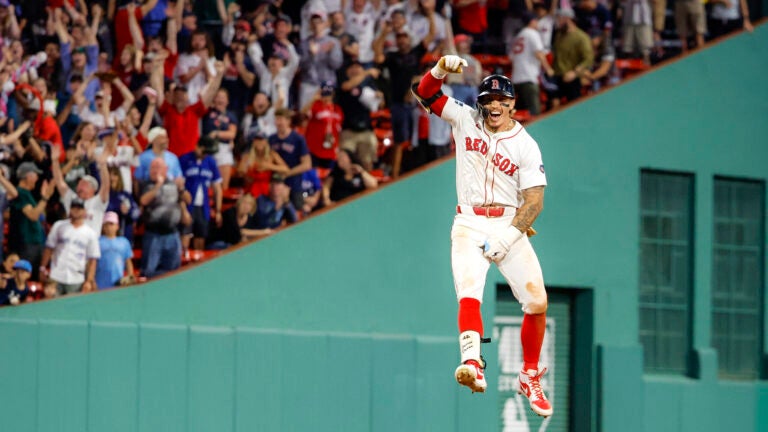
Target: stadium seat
523, 116
382, 127
495, 63
629, 67
322, 173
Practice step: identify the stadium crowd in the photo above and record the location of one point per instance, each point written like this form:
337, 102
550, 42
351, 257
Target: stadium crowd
147, 132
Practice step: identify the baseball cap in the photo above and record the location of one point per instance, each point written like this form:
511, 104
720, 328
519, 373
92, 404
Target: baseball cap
79, 50
256, 133
156, 132
404, 31
92, 180
566, 13
27, 167
105, 132
100, 93
180, 87
277, 178
283, 17
244, 25
319, 14
22, 264
208, 144
327, 89
459, 38
77, 202
111, 217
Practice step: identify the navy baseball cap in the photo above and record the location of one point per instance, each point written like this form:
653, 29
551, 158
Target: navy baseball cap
256, 133
105, 132
327, 89
277, 178
285, 18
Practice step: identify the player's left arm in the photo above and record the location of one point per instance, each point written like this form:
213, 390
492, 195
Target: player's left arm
533, 203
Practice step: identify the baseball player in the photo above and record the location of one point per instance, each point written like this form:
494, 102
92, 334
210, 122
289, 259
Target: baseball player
500, 187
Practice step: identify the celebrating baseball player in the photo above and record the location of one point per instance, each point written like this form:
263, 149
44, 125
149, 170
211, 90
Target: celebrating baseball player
500, 187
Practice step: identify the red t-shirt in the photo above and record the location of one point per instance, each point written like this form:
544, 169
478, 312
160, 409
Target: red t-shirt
170, 65
122, 31
46, 129
261, 179
324, 119
117, 97
183, 127
473, 18
142, 140
53, 4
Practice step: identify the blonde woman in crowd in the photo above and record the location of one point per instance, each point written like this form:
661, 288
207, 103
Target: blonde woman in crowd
258, 165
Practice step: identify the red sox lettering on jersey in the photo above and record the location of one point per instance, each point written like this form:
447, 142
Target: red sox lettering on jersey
500, 161
492, 168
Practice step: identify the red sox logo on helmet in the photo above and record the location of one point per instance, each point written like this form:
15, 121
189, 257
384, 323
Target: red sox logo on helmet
494, 84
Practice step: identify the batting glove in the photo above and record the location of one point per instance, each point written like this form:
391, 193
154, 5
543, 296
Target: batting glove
496, 248
448, 64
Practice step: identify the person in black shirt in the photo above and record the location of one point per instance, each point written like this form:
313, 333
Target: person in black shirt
402, 65
346, 179
358, 98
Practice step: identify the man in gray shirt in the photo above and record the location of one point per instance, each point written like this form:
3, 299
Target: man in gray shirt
163, 203
321, 57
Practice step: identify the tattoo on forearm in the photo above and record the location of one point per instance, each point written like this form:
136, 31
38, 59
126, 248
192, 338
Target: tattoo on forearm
529, 211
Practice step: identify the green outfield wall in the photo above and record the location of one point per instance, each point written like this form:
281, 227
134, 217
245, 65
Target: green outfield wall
347, 322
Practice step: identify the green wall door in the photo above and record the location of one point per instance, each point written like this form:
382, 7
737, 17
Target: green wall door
515, 414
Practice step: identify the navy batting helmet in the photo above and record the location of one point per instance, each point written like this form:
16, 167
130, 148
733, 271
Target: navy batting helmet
496, 85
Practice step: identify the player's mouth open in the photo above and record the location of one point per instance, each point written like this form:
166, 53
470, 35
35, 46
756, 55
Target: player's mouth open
495, 115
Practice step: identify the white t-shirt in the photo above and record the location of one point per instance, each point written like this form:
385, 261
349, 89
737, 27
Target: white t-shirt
268, 84
197, 83
98, 119
491, 168
420, 29
526, 67
265, 123
730, 12
94, 209
72, 248
123, 160
362, 25
546, 28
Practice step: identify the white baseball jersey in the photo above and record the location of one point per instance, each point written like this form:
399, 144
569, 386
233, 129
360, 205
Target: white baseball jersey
72, 248
492, 169
526, 67
362, 26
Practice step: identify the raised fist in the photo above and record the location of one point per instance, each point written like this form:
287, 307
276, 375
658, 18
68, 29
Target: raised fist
451, 64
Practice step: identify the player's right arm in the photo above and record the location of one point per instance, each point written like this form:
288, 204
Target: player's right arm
428, 92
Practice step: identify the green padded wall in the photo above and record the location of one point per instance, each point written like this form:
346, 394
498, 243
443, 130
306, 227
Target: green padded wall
347, 321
